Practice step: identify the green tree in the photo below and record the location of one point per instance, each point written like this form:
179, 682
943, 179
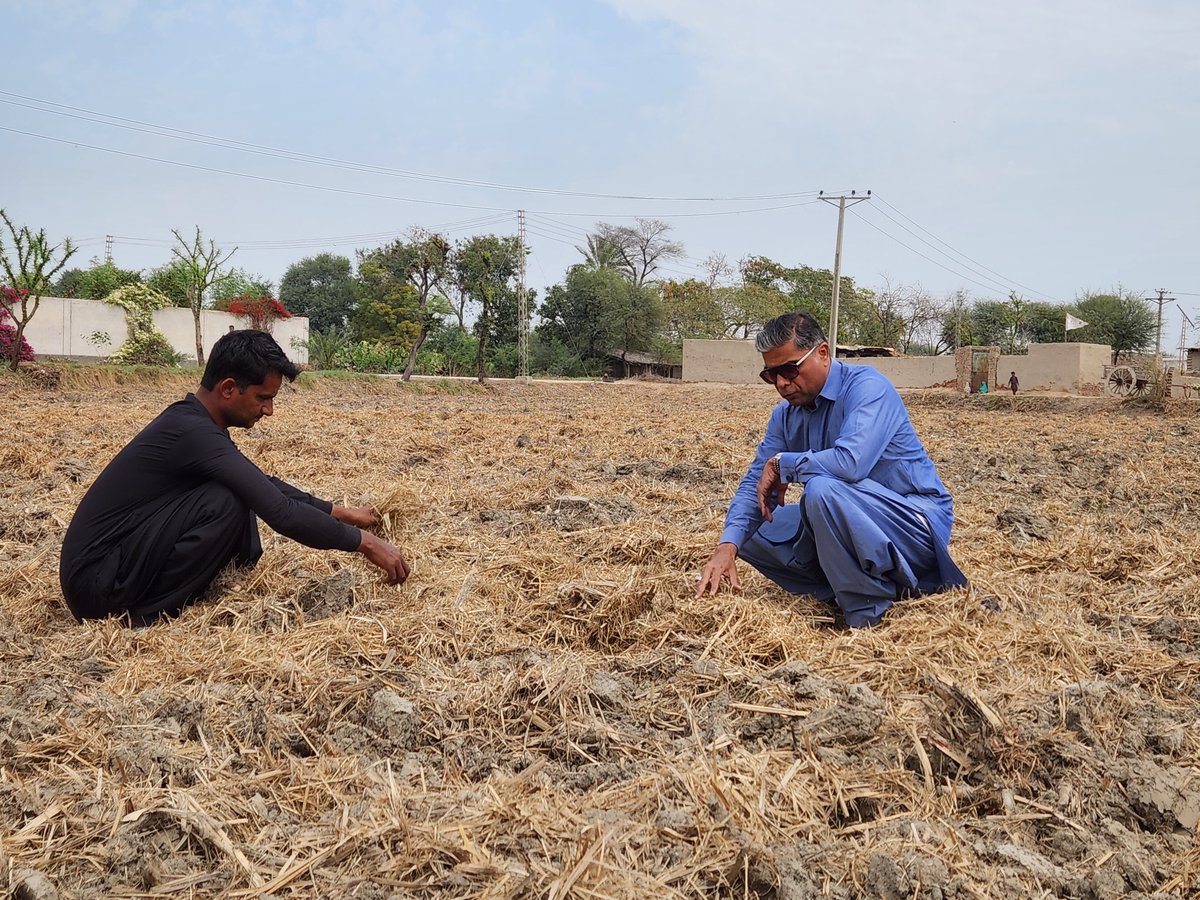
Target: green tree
769, 289
691, 309
1044, 322
30, 264
484, 267
322, 288
600, 253
170, 280
989, 325
387, 311
422, 263
201, 263
1012, 324
598, 311
1120, 318
95, 282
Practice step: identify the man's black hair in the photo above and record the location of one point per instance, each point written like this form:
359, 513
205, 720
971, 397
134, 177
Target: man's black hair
798, 327
246, 357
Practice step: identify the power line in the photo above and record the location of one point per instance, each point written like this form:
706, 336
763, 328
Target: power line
166, 131
954, 272
996, 284
377, 196
1003, 279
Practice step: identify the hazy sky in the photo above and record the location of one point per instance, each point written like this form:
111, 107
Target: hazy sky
1047, 147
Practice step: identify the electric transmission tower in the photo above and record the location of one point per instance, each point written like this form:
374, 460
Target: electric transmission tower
522, 307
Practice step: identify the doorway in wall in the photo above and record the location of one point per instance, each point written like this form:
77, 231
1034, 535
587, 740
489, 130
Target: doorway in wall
979, 370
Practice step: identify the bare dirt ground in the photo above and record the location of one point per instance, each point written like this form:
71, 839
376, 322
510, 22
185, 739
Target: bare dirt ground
544, 710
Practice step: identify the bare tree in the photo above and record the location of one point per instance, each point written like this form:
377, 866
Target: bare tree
717, 267
923, 317
887, 311
640, 247
29, 274
202, 265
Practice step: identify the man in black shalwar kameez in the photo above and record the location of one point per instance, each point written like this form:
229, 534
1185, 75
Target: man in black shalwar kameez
180, 501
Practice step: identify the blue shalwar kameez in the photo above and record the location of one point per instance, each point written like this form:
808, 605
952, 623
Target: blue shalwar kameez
873, 523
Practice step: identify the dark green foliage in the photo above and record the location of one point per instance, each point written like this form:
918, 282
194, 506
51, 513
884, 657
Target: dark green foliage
448, 351
170, 280
484, 269
1121, 319
95, 282
595, 311
321, 288
325, 347
400, 284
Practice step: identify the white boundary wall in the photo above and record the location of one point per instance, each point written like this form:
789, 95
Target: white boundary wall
1055, 367
61, 328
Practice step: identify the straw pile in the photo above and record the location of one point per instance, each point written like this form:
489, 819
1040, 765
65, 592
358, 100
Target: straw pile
544, 710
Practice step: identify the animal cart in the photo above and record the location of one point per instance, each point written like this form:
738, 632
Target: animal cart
1129, 381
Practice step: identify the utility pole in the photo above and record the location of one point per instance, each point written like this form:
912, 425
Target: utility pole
522, 308
108, 242
837, 262
1183, 327
1161, 299
959, 300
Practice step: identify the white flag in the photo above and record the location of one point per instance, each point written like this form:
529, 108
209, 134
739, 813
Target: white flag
1073, 323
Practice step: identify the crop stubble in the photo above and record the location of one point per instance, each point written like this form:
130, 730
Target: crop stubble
545, 710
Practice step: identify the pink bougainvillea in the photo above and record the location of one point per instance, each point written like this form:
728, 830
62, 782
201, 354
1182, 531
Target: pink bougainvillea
10, 299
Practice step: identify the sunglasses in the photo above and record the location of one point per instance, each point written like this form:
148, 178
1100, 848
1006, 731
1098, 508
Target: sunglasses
788, 370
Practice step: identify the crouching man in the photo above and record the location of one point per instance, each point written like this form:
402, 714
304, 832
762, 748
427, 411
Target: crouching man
873, 520
180, 501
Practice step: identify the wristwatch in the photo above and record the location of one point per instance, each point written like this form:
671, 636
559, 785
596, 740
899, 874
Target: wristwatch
778, 460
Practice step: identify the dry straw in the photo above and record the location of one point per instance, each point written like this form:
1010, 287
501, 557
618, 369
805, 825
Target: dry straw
545, 710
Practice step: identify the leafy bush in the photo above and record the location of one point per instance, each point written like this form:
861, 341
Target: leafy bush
550, 356
375, 357
325, 348
503, 361
147, 348
448, 351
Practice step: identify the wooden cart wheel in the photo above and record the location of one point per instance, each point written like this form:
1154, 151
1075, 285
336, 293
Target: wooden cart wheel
1121, 381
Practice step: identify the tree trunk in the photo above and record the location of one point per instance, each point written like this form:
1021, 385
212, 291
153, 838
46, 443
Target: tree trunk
18, 333
19, 328
480, 359
412, 353
199, 339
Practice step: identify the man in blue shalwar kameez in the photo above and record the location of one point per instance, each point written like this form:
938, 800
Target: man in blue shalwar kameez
873, 522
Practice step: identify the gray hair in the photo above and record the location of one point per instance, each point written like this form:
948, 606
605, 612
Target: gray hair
798, 327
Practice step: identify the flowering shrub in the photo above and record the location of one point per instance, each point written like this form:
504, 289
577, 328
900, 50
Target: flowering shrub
145, 345
9, 299
262, 311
